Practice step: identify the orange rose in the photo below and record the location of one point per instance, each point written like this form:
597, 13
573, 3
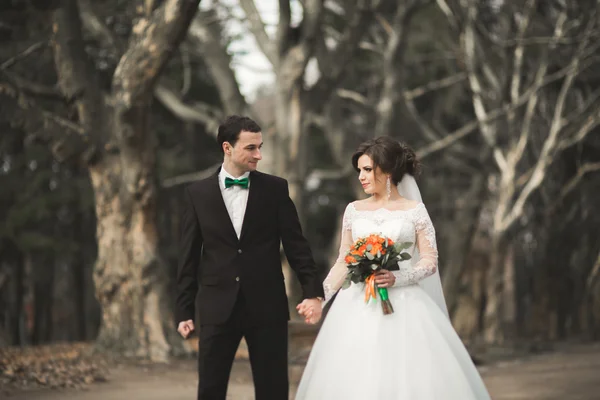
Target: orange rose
349, 259
377, 247
362, 249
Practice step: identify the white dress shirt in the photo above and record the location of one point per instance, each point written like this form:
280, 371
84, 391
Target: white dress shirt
235, 199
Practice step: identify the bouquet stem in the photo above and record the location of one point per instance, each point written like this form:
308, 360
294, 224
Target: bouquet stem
386, 305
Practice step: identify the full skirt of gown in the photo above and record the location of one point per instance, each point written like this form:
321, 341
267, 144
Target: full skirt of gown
412, 354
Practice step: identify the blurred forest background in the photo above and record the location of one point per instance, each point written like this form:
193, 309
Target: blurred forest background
108, 108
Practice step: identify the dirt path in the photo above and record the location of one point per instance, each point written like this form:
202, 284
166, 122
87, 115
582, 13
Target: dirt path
572, 374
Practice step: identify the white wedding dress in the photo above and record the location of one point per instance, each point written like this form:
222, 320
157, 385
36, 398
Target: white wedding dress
412, 354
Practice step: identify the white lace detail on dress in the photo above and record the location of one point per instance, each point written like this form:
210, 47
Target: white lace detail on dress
413, 225
411, 273
423, 224
348, 217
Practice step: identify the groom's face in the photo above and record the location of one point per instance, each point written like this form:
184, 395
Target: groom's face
246, 153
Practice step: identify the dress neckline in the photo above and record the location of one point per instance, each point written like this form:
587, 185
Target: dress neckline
420, 204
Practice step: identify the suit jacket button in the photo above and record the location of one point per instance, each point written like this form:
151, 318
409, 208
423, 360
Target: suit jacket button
237, 278
239, 251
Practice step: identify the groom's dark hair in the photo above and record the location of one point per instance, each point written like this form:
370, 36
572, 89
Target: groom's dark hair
230, 129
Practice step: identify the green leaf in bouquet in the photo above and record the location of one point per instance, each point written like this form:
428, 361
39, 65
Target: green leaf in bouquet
374, 267
405, 256
369, 247
393, 267
385, 259
356, 278
370, 256
402, 246
347, 282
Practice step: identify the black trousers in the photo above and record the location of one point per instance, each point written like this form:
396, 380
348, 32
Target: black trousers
267, 348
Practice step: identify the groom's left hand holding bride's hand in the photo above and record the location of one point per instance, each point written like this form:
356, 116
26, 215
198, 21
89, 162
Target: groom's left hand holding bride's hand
311, 310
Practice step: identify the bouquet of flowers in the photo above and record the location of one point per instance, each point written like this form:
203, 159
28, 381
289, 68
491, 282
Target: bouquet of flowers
368, 255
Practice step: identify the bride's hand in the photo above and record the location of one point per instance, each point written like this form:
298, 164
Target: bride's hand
385, 278
310, 309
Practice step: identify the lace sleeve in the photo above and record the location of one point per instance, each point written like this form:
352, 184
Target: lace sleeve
334, 280
428, 255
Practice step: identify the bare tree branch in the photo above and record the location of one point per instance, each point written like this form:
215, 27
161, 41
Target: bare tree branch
354, 96
470, 45
96, 27
293, 64
515, 155
28, 51
515, 86
428, 130
452, 19
202, 113
451, 138
313, 11
435, 85
393, 68
550, 143
333, 64
33, 87
153, 41
187, 69
572, 184
283, 26
593, 276
188, 178
590, 123
77, 78
257, 27
360, 15
529, 41
206, 31
68, 138
65, 123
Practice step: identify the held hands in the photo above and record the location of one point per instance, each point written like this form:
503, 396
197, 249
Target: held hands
311, 310
385, 278
186, 328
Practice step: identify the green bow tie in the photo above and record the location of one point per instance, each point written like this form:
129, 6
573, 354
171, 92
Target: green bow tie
240, 182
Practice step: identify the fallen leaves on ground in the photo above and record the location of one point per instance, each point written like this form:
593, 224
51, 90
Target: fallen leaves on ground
54, 366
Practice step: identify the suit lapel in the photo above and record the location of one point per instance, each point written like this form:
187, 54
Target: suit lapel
253, 202
218, 205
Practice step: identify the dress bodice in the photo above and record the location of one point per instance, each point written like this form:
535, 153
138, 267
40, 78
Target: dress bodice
398, 225
412, 225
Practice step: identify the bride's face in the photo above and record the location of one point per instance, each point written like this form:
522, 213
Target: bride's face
372, 179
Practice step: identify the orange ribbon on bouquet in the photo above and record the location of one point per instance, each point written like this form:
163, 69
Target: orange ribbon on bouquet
370, 288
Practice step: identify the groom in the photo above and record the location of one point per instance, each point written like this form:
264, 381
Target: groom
230, 267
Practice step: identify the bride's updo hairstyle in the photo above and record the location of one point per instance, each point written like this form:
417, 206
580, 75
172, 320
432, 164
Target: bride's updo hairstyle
392, 157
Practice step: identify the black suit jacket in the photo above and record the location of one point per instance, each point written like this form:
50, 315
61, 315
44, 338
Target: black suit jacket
214, 265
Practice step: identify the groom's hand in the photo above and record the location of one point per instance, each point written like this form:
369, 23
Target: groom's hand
186, 328
311, 310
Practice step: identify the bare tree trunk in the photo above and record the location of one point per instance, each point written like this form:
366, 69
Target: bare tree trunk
493, 318
15, 292
43, 299
459, 242
78, 281
129, 275
591, 313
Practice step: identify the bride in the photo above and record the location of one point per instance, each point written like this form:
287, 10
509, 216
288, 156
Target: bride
413, 353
